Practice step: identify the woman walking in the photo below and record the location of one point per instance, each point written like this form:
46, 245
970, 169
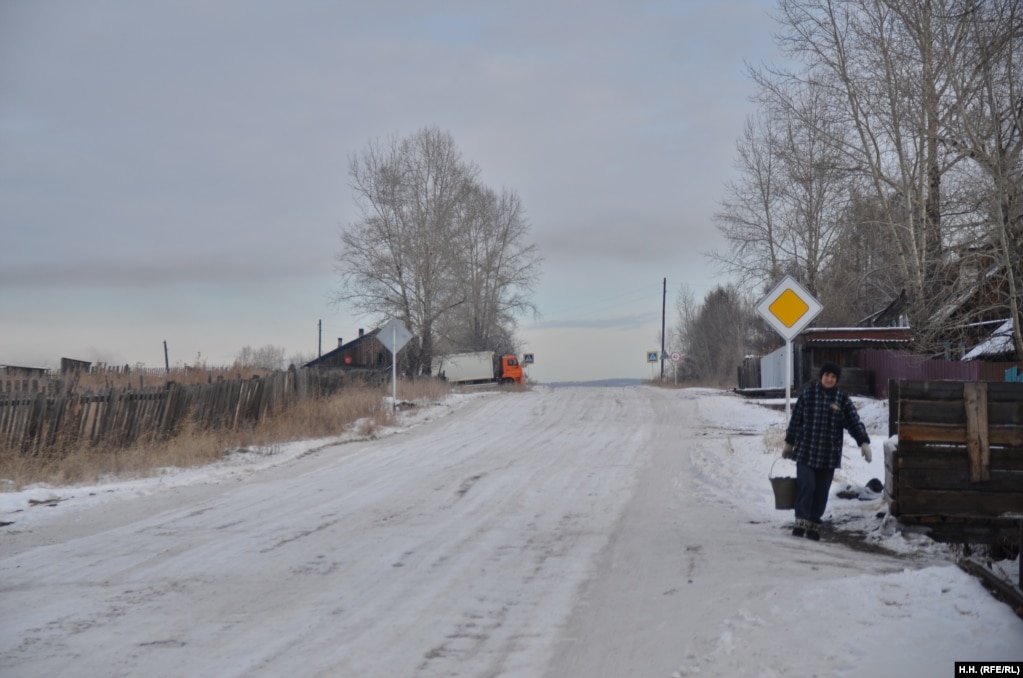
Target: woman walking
814, 440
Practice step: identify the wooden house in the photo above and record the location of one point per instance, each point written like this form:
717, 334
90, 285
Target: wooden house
973, 303
18, 379
892, 315
365, 353
15, 371
997, 347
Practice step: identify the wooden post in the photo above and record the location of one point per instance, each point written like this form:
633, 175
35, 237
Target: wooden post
975, 400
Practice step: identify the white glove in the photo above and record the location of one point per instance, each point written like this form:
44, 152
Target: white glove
865, 449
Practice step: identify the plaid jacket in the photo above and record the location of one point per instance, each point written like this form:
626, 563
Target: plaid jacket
815, 430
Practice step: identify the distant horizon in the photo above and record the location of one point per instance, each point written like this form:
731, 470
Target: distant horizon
595, 382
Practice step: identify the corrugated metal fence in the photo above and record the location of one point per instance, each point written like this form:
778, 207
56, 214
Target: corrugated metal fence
39, 424
884, 366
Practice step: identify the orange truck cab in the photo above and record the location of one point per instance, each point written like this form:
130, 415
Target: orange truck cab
511, 370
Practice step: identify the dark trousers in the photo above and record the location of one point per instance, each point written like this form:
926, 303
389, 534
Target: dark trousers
813, 485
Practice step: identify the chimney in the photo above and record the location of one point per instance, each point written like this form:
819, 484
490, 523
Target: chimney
360, 332
340, 343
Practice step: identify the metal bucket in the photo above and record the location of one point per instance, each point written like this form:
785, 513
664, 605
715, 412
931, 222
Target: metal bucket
784, 490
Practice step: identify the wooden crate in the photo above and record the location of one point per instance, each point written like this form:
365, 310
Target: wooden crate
958, 465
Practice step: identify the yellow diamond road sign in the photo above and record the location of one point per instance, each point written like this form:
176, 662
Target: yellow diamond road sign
789, 308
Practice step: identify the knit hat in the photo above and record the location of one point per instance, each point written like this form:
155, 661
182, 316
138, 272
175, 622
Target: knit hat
833, 368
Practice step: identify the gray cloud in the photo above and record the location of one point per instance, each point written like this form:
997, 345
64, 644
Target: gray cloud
155, 143
153, 274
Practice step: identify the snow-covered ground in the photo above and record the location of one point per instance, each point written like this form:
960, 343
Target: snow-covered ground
560, 531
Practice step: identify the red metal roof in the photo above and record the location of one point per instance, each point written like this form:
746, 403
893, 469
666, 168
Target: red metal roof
866, 336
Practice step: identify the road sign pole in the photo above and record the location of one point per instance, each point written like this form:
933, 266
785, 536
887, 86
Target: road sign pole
788, 378
394, 368
788, 308
399, 337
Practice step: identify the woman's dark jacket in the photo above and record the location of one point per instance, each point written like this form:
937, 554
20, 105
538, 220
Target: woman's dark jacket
815, 429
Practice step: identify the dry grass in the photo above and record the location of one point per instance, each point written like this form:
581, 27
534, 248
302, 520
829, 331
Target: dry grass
111, 378
359, 408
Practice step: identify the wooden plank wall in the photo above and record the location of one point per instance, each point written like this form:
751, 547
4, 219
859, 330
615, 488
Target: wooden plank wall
38, 424
959, 458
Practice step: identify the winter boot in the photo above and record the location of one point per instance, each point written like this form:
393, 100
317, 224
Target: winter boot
813, 531
800, 529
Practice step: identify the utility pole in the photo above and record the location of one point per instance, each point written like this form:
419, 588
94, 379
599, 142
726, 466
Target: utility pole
664, 302
319, 344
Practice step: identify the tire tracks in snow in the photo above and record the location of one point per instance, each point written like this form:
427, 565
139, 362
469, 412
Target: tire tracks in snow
456, 548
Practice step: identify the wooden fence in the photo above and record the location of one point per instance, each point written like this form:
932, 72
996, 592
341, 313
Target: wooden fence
22, 381
958, 464
45, 424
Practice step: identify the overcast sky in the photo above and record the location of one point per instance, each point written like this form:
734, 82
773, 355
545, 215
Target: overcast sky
177, 171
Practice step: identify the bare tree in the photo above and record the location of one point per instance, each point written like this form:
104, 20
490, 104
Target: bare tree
683, 334
887, 163
815, 185
989, 130
434, 248
880, 61
399, 260
785, 213
748, 213
497, 269
265, 358
863, 271
715, 335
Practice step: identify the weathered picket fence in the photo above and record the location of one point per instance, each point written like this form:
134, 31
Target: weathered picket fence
39, 424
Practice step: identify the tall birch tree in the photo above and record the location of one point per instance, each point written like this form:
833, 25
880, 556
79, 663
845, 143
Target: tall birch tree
878, 59
989, 131
434, 248
398, 260
496, 270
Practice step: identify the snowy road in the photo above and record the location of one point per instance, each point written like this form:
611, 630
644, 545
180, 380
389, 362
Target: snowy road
555, 532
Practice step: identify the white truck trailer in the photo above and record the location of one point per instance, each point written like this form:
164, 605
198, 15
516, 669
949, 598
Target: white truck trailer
478, 368
465, 367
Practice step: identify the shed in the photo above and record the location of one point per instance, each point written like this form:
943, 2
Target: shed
842, 345
72, 365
